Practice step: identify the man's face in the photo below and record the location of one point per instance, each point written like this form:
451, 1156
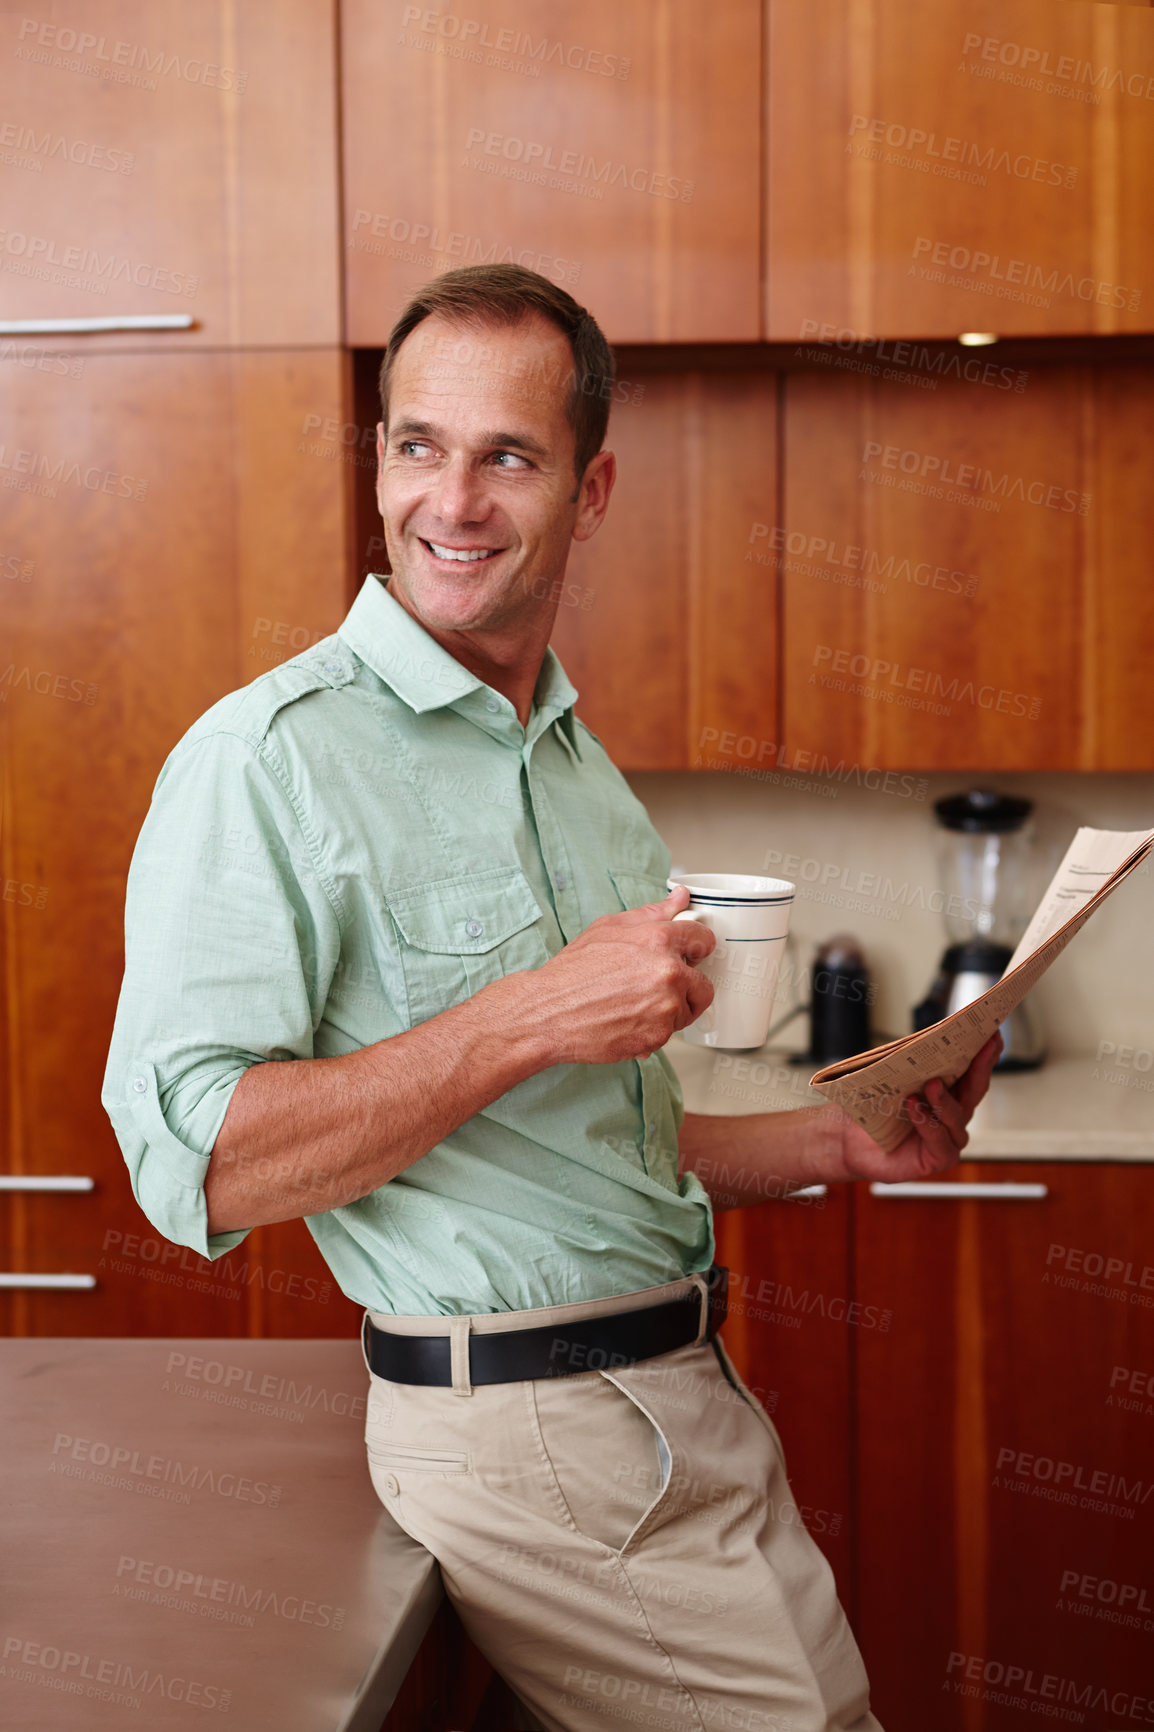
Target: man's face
476, 486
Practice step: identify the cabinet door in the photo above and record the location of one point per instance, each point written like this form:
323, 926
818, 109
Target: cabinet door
1118, 597
172, 530
790, 1332
174, 160
614, 149
666, 626
962, 570
973, 165
1004, 1459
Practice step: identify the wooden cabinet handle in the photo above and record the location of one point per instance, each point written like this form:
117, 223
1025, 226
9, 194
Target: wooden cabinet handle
1006, 1191
42, 1281
44, 1182
78, 327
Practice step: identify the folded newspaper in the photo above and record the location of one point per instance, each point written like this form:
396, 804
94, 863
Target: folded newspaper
872, 1087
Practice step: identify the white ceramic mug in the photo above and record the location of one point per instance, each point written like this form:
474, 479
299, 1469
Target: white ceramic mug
749, 917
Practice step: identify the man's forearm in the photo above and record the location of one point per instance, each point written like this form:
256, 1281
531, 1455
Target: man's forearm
305, 1135
755, 1157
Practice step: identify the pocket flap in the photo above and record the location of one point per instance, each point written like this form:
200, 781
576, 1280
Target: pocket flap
466, 916
637, 888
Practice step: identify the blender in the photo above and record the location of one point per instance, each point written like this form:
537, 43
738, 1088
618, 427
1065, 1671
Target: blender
985, 854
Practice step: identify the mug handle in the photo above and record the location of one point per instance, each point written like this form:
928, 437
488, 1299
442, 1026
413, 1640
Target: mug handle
700, 915
704, 1023
703, 918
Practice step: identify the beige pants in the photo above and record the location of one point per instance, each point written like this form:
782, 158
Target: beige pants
614, 1541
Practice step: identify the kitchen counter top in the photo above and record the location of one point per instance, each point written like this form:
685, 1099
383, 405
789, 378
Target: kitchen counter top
190, 1530
1071, 1109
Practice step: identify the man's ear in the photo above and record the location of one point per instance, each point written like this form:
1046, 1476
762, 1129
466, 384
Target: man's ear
593, 494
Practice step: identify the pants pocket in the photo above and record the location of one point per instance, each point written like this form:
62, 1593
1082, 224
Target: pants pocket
731, 1375
398, 1459
405, 1475
610, 1461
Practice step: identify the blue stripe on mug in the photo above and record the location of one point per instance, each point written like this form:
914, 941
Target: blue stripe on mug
704, 901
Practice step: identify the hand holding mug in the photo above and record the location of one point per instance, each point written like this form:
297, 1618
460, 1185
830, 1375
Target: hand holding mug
749, 917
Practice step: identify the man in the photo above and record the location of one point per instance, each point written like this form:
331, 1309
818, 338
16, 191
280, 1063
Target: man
399, 867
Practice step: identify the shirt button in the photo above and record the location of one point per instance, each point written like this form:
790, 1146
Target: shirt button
334, 667
474, 928
651, 1128
392, 1485
492, 705
560, 881
139, 1084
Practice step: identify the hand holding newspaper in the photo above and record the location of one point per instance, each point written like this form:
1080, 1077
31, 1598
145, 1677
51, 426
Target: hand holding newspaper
872, 1087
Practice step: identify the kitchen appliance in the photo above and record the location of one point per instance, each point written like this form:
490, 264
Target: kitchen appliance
839, 1008
985, 855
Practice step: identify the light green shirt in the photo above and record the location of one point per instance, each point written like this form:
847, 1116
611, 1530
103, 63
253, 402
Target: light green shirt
354, 842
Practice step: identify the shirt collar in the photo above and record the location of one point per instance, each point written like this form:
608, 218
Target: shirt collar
565, 728
401, 652
554, 702
554, 692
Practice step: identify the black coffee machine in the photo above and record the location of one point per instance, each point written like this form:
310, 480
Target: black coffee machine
985, 858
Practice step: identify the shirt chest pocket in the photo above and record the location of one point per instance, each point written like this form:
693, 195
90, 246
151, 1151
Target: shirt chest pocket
457, 935
635, 888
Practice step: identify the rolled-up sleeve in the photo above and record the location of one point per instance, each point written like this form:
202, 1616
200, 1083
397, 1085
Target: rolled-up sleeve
232, 936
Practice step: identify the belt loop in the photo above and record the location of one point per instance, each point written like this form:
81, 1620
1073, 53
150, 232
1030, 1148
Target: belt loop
459, 1355
365, 1343
718, 1297
702, 1286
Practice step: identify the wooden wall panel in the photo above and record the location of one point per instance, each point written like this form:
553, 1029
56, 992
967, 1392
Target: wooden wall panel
292, 1291
670, 630
734, 622
212, 552
621, 628
175, 159
958, 167
614, 149
1119, 595
900, 502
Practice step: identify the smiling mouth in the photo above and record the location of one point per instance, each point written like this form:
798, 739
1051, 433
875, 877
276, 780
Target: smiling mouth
460, 555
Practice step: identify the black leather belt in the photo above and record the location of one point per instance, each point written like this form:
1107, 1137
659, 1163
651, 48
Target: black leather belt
552, 1349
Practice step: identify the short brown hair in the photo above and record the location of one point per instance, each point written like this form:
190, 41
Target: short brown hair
481, 295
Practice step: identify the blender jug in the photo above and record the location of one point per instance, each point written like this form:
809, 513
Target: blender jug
985, 856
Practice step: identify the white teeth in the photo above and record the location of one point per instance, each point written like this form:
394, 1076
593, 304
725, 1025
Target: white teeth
466, 555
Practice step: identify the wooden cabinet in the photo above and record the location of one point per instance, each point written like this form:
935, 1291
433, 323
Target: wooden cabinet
1003, 1452
1118, 599
974, 165
668, 633
174, 527
963, 570
791, 1333
971, 1381
933, 563
612, 148
166, 160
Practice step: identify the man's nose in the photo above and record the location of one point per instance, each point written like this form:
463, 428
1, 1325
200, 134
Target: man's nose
459, 495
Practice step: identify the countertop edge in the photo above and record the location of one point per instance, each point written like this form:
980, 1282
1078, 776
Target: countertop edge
389, 1666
